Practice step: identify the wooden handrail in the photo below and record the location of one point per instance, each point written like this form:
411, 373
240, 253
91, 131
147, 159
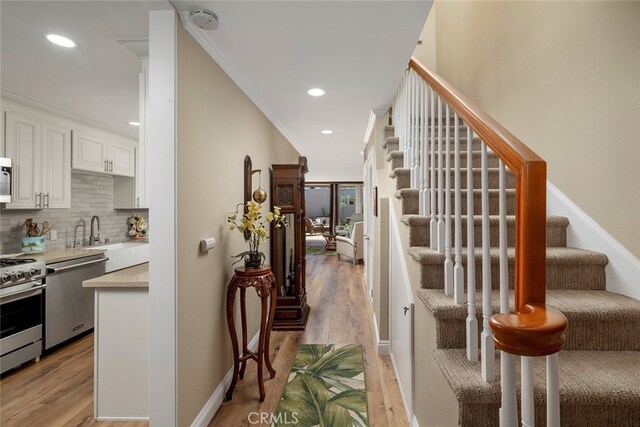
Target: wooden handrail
534, 329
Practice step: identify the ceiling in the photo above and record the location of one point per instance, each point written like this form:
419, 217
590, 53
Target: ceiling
354, 50
274, 50
98, 79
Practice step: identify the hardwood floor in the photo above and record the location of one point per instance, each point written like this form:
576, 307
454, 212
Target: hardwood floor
340, 314
58, 391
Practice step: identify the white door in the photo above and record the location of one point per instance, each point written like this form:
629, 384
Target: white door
89, 153
122, 159
56, 166
401, 310
23, 146
369, 223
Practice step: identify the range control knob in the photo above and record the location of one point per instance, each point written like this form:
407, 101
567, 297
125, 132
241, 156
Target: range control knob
20, 275
34, 272
5, 278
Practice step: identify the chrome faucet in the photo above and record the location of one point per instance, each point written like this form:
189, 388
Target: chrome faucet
93, 239
78, 243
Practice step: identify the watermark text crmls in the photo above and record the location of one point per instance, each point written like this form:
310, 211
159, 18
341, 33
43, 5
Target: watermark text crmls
283, 418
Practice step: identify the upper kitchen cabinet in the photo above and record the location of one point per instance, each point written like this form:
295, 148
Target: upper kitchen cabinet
41, 154
94, 154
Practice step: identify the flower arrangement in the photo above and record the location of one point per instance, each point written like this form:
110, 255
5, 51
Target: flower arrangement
254, 226
137, 227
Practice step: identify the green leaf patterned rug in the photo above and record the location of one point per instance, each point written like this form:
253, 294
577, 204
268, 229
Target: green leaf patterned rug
325, 388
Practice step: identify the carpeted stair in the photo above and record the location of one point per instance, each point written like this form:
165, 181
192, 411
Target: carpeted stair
600, 363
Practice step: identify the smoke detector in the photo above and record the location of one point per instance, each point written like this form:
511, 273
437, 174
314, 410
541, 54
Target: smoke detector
205, 19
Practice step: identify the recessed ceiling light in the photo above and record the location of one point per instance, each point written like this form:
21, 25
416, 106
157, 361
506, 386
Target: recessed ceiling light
134, 123
316, 91
60, 40
327, 131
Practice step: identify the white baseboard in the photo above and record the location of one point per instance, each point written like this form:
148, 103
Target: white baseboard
383, 346
404, 398
623, 270
414, 422
211, 407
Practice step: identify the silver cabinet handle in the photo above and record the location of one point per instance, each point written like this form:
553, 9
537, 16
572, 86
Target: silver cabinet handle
106, 165
111, 166
69, 267
46, 200
137, 202
39, 200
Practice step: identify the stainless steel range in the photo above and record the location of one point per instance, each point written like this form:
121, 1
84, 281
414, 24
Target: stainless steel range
21, 310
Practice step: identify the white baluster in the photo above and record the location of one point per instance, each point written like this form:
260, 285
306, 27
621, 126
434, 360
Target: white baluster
448, 262
527, 402
424, 149
458, 271
416, 133
486, 343
440, 182
433, 224
508, 410
472, 321
405, 122
553, 391
407, 154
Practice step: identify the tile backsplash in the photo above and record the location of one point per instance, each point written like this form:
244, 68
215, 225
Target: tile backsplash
91, 194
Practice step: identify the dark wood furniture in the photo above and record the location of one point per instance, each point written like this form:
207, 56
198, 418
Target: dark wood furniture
288, 249
263, 281
330, 240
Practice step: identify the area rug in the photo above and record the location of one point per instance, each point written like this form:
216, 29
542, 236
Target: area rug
326, 387
316, 245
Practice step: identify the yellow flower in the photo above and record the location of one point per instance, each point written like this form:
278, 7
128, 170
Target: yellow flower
270, 216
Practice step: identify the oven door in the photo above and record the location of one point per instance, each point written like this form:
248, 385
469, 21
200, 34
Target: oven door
21, 314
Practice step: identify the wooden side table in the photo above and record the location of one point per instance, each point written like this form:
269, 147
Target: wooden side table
263, 281
330, 240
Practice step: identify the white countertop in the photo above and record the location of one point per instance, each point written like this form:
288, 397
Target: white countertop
62, 254
132, 277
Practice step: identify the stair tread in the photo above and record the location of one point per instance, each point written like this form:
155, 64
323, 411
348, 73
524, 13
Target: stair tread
399, 171
599, 378
575, 304
555, 255
390, 140
423, 220
414, 192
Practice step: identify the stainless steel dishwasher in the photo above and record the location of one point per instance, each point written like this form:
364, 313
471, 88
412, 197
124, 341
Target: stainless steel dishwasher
69, 307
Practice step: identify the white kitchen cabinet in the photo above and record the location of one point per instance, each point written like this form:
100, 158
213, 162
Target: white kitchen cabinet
132, 194
94, 154
41, 155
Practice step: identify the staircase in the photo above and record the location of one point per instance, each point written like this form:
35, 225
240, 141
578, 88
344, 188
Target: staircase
599, 366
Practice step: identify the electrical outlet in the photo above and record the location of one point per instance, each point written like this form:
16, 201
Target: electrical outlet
53, 235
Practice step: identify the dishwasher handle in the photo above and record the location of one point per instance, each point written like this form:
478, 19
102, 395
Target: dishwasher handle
72, 266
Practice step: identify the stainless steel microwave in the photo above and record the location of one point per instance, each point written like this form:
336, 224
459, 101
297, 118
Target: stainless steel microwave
5, 180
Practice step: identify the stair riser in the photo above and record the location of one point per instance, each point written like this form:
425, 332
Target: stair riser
419, 234
493, 175
476, 162
597, 335
487, 415
410, 203
559, 276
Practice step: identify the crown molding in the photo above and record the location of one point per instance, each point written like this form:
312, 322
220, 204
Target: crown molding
373, 115
200, 37
61, 112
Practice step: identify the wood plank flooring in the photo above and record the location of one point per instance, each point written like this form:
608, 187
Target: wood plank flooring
58, 391
340, 314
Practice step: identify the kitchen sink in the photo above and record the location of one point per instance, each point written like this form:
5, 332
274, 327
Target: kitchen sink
124, 254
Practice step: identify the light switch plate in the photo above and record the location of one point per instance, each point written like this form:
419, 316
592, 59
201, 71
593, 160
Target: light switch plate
53, 235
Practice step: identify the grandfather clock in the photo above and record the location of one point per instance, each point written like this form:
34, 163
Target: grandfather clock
288, 249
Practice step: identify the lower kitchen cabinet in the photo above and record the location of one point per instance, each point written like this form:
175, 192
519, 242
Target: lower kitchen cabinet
121, 354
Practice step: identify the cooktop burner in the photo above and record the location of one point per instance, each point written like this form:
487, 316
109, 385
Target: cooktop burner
10, 262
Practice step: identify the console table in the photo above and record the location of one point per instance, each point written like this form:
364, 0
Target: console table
264, 282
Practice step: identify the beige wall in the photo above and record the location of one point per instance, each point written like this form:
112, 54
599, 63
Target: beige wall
564, 77
426, 52
217, 126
